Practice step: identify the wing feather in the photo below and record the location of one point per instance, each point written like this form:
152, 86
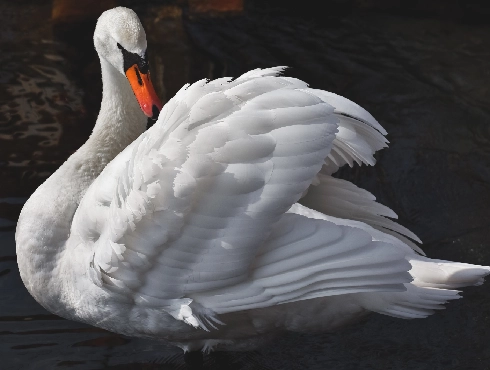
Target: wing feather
359, 135
194, 197
192, 218
306, 258
342, 199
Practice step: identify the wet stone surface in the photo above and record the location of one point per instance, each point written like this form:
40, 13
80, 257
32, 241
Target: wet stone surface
425, 80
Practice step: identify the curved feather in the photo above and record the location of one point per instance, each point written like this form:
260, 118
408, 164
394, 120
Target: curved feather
340, 198
198, 216
186, 206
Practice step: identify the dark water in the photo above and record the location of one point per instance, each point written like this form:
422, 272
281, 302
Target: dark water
427, 82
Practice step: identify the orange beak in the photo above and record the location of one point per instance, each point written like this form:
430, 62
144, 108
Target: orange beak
144, 91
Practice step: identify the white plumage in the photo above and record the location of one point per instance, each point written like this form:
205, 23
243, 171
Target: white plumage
192, 231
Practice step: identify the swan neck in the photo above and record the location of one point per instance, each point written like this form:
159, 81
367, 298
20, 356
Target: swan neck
120, 119
44, 224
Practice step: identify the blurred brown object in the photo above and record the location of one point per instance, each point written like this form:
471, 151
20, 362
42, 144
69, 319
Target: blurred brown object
215, 6
472, 11
64, 11
168, 12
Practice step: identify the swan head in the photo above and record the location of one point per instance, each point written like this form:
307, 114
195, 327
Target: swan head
120, 39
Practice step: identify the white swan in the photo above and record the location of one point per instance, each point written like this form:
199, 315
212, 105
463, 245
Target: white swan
191, 231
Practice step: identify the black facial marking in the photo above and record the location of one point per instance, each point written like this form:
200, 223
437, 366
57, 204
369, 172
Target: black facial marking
138, 76
130, 59
154, 111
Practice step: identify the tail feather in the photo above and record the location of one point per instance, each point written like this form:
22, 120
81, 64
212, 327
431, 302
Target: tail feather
445, 274
433, 286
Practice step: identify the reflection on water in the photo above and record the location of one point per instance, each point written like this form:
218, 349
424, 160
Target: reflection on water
35, 102
425, 80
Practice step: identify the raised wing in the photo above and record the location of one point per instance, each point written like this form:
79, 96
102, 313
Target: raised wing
359, 136
184, 209
342, 199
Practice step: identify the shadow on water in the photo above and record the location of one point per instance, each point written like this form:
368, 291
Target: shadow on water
425, 80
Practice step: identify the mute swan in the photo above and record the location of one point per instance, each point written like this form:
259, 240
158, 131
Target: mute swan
221, 224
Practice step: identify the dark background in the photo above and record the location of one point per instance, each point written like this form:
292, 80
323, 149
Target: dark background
422, 68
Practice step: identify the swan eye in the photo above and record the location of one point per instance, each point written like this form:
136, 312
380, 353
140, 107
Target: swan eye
130, 59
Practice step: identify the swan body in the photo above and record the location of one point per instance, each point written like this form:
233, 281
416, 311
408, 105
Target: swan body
221, 224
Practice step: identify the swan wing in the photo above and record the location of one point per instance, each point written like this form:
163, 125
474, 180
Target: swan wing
359, 136
342, 199
185, 208
307, 257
